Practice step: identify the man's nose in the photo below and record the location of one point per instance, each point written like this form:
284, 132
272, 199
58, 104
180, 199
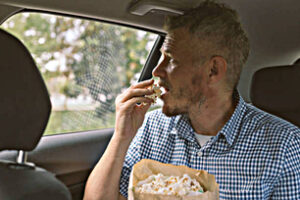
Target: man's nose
159, 70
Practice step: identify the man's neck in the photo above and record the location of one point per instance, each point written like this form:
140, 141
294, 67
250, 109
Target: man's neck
212, 115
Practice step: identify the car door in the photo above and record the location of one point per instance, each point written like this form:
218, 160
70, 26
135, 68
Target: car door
85, 65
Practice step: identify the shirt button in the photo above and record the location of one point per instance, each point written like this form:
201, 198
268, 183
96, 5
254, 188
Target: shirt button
200, 153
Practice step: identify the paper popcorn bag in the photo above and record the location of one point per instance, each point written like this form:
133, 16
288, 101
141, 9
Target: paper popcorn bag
145, 168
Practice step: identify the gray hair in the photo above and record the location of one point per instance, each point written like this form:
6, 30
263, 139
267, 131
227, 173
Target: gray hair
220, 25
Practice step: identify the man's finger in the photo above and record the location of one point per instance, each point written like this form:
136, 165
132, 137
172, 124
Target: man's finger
143, 84
131, 93
138, 100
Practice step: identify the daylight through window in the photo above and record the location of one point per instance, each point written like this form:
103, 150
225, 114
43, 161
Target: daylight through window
84, 63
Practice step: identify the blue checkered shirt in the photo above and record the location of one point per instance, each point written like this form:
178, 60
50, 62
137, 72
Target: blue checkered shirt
254, 156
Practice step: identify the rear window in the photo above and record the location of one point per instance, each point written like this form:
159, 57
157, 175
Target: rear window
85, 65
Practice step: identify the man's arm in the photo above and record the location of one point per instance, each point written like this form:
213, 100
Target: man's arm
288, 184
103, 182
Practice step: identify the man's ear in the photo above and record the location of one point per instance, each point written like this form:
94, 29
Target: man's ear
217, 69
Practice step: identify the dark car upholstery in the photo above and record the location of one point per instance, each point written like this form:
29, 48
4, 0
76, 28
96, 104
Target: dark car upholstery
24, 111
277, 91
25, 105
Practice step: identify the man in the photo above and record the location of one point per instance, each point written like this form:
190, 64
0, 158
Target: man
204, 123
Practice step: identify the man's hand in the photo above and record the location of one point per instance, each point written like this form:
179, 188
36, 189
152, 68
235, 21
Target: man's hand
130, 115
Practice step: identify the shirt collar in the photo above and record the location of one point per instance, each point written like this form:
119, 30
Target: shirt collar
230, 130
183, 128
232, 127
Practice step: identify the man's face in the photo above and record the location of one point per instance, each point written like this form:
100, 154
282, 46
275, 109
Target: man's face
180, 75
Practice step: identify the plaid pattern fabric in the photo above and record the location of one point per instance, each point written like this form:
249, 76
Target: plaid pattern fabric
254, 156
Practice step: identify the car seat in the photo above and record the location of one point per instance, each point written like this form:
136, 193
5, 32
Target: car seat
24, 112
277, 91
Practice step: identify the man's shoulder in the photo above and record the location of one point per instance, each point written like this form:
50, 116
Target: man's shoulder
258, 119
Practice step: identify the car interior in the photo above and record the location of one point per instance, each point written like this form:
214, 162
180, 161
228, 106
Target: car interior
34, 165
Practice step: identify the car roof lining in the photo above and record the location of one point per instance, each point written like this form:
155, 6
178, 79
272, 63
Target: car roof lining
272, 26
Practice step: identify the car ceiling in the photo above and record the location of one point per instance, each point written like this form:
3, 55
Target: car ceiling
273, 26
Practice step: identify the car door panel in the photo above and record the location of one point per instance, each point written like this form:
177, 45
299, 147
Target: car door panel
71, 157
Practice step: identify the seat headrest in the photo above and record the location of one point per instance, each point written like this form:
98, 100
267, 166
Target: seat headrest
24, 104
277, 90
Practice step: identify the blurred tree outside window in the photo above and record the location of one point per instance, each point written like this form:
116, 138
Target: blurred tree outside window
84, 63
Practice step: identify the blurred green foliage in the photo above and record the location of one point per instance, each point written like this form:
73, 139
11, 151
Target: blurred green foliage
70, 90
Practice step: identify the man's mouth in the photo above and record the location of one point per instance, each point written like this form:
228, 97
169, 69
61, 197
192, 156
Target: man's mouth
164, 89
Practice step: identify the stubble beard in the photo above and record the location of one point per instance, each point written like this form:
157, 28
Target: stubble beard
171, 112
183, 108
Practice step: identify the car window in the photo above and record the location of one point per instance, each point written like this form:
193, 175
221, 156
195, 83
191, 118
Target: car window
84, 63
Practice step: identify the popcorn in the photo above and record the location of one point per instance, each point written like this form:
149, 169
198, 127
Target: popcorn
155, 95
170, 185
